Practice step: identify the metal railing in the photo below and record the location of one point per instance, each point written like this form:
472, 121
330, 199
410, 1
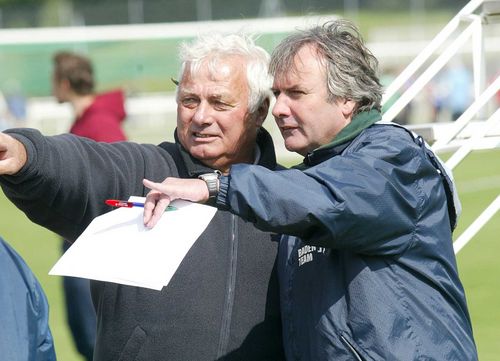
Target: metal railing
430, 50
489, 10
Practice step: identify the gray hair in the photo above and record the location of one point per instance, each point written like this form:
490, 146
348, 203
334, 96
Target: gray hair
351, 69
211, 48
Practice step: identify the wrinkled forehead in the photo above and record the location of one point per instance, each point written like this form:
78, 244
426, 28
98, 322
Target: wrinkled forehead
216, 66
223, 78
299, 65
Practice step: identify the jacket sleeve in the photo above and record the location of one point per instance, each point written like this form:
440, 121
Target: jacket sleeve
67, 178
368, 200
26, 333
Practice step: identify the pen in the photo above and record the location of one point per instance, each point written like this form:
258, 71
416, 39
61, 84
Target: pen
127, 204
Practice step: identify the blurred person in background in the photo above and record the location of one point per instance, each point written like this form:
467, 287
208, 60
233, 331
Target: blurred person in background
16, 101
456, 89
4, 113
366, 263
222, 303
436, 95
98, 117
24, 311
404, 116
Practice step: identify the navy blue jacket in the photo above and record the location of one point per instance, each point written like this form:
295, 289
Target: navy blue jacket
367, 270
24, 312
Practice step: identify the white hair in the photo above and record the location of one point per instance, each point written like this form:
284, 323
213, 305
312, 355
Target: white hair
210, 48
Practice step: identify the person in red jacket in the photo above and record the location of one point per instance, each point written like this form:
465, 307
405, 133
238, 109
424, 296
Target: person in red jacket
98, 117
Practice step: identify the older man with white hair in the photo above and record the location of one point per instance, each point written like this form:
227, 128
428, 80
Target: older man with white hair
223, 301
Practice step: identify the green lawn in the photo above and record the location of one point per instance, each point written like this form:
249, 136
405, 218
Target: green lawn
478, 180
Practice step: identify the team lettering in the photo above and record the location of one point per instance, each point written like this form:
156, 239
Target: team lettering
305, 254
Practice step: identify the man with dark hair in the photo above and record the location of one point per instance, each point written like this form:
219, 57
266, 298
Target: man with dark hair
97, 116
76, 70
366, 263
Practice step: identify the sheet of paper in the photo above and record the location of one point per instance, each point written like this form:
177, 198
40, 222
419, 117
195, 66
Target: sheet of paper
116, 247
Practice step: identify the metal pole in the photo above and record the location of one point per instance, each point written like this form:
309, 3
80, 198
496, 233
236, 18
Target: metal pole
476, 226
427, 75
429, 50
464, 119
479, 61
204, 9
476, 138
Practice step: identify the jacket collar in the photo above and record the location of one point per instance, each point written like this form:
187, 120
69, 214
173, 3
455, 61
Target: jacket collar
359, 123
195, 167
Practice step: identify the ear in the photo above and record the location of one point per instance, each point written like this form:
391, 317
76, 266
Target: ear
65, 85
261, 112
347, 107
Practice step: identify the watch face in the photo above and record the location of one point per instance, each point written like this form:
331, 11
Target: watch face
210, 176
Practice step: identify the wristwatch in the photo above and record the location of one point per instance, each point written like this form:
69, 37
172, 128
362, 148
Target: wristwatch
212, 181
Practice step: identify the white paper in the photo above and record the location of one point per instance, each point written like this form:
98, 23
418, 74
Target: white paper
116, 247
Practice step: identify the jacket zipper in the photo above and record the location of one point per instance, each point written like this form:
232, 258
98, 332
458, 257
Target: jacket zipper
353, 350
231, 281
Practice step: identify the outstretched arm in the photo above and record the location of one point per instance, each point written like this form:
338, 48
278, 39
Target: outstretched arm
194, 190
63, 181
12, 155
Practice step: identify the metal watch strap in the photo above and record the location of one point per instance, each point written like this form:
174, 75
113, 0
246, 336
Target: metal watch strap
212, 181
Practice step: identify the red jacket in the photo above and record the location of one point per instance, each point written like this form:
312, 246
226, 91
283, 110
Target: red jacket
102, 120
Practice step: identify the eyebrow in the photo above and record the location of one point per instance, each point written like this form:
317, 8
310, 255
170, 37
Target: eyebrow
218, 96
292, 87
224, 97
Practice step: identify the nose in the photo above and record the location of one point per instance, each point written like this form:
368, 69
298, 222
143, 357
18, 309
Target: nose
202, 114
281, 108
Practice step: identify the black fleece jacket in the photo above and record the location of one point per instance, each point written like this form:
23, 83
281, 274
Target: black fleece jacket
223, 301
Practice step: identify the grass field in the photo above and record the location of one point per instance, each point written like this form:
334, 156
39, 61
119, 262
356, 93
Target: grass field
478, 181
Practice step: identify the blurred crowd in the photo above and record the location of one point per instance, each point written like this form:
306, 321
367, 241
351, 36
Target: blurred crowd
444, 99
12, 108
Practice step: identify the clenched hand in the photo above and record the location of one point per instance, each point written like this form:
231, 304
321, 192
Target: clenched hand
12, 155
